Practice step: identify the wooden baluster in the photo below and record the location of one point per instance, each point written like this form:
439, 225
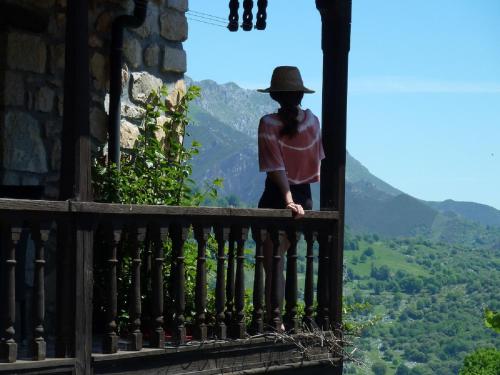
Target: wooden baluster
201, 234
239, 327
221, 235
9, 350
322, 314
110, 340
259, 235
230, 280
38, 345
178, 233
291, 320
137, 236
65, 290
276, 282
160, 236
310, 237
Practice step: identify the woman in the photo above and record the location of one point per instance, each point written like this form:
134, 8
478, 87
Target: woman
290, 152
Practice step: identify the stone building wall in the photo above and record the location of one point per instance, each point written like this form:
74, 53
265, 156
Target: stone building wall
32, 73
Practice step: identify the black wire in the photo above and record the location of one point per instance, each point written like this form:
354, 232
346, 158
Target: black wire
207, 14
207, 18
208, 23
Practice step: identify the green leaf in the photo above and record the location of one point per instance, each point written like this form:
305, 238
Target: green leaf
492, 320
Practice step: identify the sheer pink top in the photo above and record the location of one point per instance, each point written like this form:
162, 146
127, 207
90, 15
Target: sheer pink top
300, 156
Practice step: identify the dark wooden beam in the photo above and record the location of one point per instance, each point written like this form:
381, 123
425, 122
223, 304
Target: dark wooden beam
336, 30
75, 162
75, 301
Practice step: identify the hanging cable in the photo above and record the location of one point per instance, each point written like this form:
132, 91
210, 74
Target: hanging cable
208, 23
194, 12
206, 19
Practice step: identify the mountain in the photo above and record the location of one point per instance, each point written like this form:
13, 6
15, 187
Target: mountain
225, 121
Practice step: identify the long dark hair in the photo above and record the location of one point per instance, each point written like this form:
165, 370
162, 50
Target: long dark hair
289, 101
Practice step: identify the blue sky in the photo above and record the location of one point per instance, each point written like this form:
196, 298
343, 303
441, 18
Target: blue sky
424, 84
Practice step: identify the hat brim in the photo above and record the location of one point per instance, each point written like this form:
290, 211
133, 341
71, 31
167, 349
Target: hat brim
305, 90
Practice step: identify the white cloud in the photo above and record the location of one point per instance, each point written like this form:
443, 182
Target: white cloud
399, 84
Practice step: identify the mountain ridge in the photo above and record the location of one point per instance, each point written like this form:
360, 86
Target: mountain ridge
225, 122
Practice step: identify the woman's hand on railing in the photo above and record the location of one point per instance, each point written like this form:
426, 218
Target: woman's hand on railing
297, 210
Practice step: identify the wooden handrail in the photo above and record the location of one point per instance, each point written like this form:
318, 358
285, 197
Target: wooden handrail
26, 205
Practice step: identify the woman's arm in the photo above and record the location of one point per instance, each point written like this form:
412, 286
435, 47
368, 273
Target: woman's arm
280, 179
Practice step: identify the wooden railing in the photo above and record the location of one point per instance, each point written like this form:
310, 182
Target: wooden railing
144, 230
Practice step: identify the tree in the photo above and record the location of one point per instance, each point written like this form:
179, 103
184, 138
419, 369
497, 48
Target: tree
402, 370
379, 368
482, 362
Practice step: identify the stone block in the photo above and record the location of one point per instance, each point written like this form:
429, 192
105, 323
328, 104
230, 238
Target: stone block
128, 134
174, 26
175, 91
132, 51
55, 155
53, 129
13, 92
152, 55
132, 112
180, 5
57, 56
174, 60
143, 84
98, 124
26, 52
98, 68
23, 148
151, 25
103, 22
44, 101
95, 41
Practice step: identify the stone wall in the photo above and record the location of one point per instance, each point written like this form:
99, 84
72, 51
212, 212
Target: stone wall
32, 72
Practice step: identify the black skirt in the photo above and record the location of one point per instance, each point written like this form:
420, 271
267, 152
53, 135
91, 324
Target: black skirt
273, 198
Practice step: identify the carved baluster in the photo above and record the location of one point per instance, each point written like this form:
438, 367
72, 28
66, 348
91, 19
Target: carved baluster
230, 280
259, 235
310, 237
221, 235
9, 352
201, 234
261, 15
136, 240
178, 233
239, 328
233, 15
322, 314
276, 282
110, 340
247, 24
38, 345
160, 236
291, 320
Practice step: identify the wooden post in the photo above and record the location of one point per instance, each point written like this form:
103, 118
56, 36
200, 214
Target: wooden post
291, 320
259, 235
75, 239
239, 327
8, 347
336, 32
158, 339
201, 233
221, 235
110, 339
38, 345
309, 282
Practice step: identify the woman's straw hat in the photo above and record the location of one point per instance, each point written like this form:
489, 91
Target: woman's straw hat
286, 78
